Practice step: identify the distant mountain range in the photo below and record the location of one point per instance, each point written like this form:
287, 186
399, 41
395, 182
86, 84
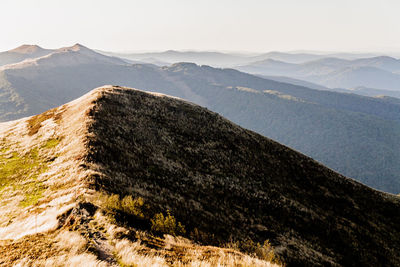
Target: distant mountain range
356, 135
171, 56
219, 59
329, 71
377, 72
374, 92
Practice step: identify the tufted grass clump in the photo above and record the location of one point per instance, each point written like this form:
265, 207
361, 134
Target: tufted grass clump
263, 251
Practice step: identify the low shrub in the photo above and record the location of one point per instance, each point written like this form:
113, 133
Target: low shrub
128, 205
167, 224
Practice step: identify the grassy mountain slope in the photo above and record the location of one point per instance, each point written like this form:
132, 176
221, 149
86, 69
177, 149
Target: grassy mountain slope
52, 216
355, 135
334, 131
284, 79
222, 182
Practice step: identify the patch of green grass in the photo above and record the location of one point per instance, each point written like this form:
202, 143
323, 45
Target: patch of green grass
51, 143
14, 168
20, 172
33, 194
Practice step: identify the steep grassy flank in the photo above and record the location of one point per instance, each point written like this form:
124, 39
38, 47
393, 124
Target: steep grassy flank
227, 183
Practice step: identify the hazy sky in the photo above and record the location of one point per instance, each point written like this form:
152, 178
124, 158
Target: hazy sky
225, 25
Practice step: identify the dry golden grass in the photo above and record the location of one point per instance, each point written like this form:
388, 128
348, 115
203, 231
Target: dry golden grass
89, 246
181, 252
84, 259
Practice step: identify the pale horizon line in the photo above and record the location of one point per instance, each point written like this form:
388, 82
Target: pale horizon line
225, 51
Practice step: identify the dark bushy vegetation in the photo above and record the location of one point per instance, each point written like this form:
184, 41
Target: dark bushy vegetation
158, 223
233, 184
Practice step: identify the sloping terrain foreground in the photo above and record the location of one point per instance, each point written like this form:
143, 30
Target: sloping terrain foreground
98, 179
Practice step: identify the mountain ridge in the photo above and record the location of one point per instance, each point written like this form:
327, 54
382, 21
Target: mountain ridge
355, 135
21, 53
335, 72
26, 49
220, 180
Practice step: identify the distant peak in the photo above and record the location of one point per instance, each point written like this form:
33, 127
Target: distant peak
26, 49
272, 60
181, 66
79, 46
385, 58
75, 47
184, 64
